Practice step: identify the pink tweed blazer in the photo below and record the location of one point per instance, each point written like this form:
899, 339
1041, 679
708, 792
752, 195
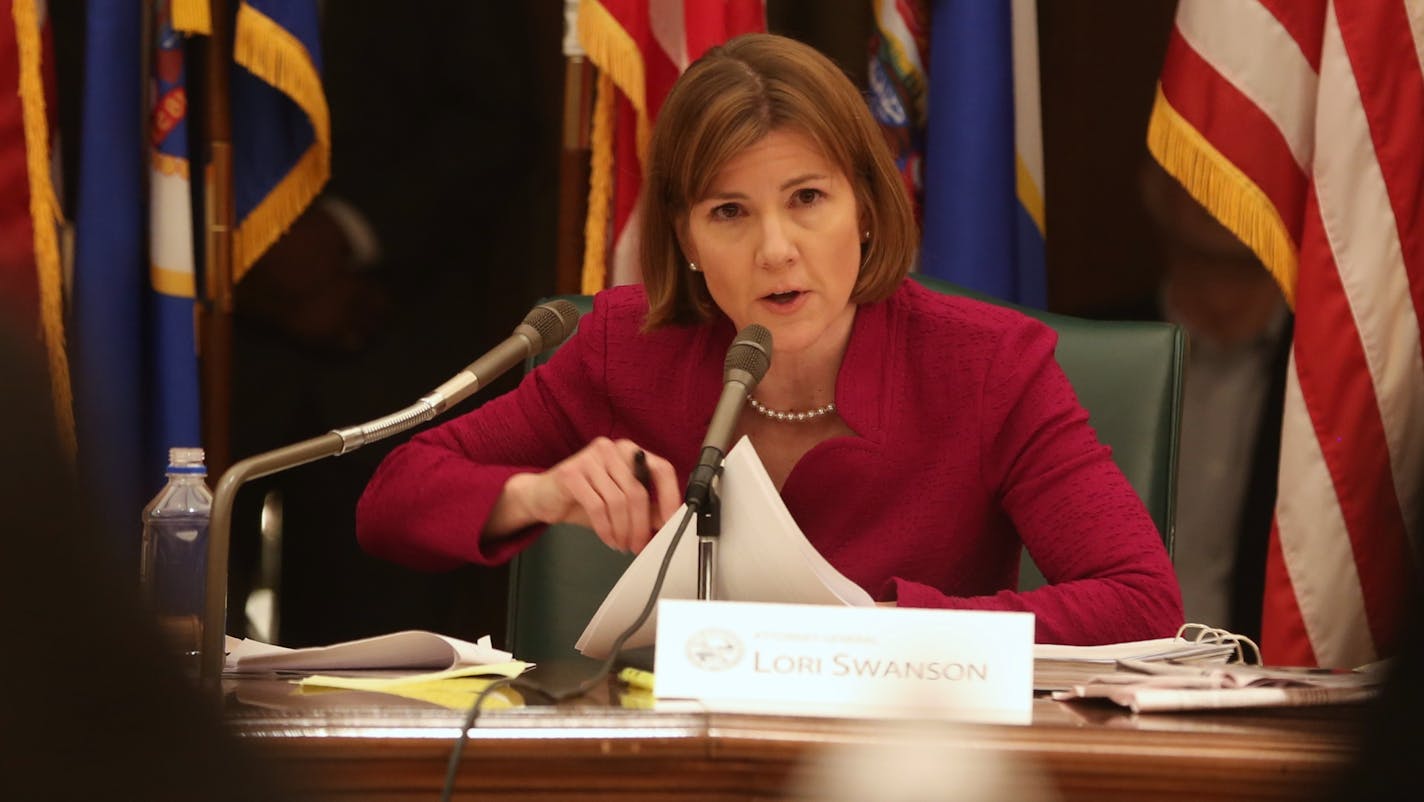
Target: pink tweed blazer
969, 445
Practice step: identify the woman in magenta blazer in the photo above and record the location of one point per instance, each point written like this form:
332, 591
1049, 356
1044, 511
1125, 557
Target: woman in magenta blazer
919, 440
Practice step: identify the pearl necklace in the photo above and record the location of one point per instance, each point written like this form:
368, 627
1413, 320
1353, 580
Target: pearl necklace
776, 414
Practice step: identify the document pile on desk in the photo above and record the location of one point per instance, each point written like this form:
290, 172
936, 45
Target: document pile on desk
1061, 668
1146, 687
413, 664
410, 650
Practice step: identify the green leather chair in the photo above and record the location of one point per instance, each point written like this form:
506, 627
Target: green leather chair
1128, 376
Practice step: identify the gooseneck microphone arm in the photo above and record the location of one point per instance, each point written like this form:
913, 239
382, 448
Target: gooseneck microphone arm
747, 361
544, 327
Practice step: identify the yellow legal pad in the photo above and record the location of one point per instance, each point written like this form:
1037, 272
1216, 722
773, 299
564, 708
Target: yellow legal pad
455, 689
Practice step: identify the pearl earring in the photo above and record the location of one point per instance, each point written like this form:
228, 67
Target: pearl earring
866, 236
693, 267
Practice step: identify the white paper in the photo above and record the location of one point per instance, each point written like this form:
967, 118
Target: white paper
1145, 686
1155, 649
762, 556
1057, 667
410, 649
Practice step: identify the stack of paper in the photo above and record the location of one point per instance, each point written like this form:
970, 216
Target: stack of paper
1146, 687
410, 650
1057, 668
762, 556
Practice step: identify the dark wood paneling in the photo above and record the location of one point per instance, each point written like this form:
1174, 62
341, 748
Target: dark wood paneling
1099, 63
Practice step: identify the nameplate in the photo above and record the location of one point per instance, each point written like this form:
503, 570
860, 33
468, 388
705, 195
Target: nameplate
845, 661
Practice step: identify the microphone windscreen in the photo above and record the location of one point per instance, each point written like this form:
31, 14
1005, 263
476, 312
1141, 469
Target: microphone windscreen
553, 321
750, 352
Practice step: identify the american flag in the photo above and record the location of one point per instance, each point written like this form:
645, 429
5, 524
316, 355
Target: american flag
1299, 124
640, 48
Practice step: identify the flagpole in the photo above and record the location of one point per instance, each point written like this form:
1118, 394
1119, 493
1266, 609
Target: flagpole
573, 173
574, 155
215, 310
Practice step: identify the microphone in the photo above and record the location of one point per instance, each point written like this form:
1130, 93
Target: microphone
545, 326
747, 361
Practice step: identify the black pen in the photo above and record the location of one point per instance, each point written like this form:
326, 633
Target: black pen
640, 470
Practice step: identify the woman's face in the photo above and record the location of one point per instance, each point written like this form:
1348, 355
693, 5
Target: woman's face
778, 239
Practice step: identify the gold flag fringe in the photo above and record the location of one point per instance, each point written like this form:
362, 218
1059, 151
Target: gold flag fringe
614, 52
45, 216
620, 67
1231, 197
169, 165
192, 16
600, 189
273, 54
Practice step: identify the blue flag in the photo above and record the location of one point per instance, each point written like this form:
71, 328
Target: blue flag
132, 324
134, 360
983, 180
281, 129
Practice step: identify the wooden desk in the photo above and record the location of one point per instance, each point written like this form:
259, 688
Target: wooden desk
351, 745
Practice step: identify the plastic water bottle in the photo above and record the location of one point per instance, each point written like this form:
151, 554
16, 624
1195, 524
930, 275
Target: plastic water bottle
173, 568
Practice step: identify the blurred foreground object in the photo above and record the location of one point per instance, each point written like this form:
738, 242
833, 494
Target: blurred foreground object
928, 762
99, 692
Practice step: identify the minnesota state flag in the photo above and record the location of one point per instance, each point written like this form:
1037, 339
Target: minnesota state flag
134, 365
135, 282
984, 223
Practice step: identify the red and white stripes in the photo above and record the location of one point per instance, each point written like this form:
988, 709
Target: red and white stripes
640, 48
1314, 113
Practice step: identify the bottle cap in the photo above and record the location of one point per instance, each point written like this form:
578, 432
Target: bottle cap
185, 456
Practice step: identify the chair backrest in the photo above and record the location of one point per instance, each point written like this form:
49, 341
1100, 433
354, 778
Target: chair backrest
557, 583
1128, 375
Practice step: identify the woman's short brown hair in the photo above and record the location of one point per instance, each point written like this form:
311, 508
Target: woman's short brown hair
728, 100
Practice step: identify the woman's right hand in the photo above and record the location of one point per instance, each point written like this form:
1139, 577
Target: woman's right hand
597, 488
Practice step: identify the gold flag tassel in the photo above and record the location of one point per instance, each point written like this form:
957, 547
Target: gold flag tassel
620, 68
600, 188
45, 217
192, 16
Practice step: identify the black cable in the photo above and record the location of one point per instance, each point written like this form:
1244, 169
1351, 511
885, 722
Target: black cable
617, 648
452, 768
453, 765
